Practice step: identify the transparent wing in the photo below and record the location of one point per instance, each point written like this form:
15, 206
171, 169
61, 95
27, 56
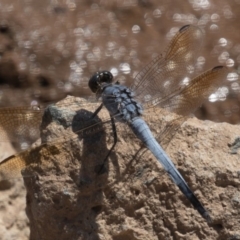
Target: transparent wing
20, 124
187, 99
166, 81
67, 127
165, 74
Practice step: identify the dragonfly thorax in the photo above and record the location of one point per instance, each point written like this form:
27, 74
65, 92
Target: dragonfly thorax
120, 103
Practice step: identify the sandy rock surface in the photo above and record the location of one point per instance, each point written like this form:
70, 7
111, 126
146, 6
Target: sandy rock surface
13, 219
133, 198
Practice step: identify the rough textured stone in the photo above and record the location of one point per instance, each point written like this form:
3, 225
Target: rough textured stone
13, 220
133, 198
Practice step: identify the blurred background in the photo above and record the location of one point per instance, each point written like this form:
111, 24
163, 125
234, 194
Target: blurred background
50, 48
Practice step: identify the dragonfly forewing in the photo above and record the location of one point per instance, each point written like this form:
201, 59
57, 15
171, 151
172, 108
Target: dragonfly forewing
20, 124
165, 74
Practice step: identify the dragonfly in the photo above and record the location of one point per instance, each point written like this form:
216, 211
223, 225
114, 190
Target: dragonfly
164, 83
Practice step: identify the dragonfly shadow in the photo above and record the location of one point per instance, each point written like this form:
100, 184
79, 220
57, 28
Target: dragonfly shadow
92, 134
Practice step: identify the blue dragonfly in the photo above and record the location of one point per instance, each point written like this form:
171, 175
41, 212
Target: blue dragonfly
163, 83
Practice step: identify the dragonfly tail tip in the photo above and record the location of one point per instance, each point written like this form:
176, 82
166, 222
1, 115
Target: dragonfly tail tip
207, 216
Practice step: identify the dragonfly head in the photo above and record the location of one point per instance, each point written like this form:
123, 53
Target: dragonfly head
96, 81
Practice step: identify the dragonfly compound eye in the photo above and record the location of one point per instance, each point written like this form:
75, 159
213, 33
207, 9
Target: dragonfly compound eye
98, 78
106, 76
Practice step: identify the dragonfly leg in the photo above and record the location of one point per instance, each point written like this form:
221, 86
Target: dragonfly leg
101, 168
97, 111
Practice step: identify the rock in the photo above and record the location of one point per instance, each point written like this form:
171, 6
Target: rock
132, 198
13, 220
